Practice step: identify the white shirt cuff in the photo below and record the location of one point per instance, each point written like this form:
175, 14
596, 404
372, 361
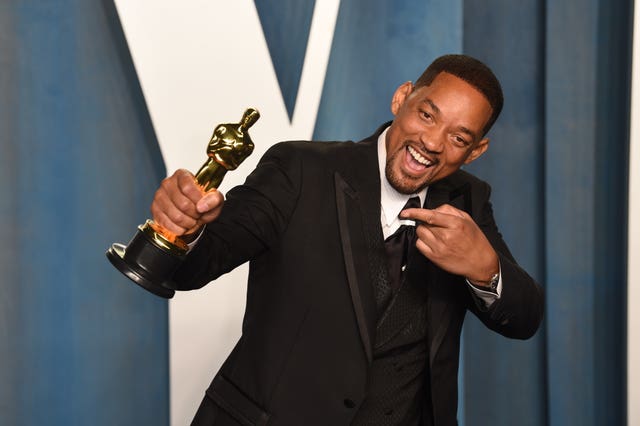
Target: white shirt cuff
487, 296
193, 243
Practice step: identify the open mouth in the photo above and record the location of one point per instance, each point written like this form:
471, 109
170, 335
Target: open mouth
417, 161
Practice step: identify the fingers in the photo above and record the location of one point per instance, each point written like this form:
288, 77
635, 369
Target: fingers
450, 210
187, 185
210, 201
443, 216
210, 206
433, 242
180, 206
426, 249
419, 215
172, 210
428, 217
453, 241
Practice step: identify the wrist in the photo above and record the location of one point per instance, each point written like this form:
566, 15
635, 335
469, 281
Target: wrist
487, 272
487, 278
491, 284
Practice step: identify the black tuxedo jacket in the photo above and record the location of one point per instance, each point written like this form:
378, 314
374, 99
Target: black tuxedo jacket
308, 220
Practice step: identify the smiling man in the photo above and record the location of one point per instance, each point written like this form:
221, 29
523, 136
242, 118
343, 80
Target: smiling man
364, 258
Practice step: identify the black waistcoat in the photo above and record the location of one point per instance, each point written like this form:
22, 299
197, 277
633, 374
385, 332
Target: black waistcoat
396, 390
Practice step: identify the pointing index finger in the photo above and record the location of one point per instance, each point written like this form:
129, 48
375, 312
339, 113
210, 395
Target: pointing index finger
426, 216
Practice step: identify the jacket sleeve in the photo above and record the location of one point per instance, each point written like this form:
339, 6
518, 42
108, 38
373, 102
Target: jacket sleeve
253, 217
519, 310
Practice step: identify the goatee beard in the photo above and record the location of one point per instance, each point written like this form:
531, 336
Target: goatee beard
404, 186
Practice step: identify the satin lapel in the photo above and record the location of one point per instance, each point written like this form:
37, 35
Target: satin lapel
439, 313
357, 187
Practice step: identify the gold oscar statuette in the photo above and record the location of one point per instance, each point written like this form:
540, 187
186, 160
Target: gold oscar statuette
154, 253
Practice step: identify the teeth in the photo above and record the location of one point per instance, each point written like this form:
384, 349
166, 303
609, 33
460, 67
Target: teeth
418, 157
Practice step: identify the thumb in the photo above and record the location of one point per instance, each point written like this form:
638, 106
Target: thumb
209, 201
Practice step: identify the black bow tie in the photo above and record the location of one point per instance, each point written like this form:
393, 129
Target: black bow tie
397, 246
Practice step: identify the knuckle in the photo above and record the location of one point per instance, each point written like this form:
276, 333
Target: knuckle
184, 186
183, 205
445, 238
165, 183
176, 217
180, 173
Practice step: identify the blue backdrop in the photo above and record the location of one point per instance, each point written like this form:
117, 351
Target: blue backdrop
77, 145
77, 347
558, 166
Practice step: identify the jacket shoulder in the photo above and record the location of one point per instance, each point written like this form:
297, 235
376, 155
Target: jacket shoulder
309, 148
462, 177
314, 155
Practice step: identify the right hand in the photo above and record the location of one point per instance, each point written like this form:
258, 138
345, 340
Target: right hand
181, 206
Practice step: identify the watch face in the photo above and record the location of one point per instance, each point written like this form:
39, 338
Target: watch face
493, 284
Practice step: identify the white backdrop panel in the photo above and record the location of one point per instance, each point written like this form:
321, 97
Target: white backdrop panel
200, 63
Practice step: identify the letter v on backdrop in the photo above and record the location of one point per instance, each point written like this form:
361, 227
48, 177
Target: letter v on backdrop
204, 62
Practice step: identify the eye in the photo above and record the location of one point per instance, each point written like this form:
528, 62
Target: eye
460, 141
426, 116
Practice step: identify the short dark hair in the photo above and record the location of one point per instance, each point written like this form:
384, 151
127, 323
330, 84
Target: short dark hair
473, 72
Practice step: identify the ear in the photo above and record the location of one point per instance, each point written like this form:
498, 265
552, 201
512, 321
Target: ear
479, 149
400, 95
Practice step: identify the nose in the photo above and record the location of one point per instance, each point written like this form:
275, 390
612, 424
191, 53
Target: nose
432, 140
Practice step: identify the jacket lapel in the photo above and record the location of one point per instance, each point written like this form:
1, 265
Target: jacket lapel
357, 185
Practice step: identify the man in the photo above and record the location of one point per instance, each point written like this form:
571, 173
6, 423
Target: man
343, 325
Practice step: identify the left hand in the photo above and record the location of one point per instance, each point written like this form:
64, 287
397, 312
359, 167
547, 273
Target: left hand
452, 240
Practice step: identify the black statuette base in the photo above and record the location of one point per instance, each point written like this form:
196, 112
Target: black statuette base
146, 264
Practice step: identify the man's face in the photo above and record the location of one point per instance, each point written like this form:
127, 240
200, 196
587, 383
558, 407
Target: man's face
437, 129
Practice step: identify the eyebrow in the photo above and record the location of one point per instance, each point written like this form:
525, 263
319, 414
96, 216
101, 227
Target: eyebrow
432, 105
461, 128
